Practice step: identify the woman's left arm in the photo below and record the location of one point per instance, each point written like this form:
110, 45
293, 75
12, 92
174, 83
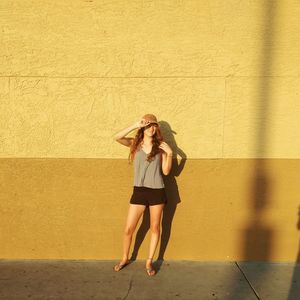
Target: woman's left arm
166, 158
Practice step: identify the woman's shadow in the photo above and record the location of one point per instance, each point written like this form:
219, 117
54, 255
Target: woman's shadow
172, 195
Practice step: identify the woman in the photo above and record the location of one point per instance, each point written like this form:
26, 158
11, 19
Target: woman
150, 155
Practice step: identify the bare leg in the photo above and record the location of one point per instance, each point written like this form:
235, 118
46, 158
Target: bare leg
134, 213
155, 218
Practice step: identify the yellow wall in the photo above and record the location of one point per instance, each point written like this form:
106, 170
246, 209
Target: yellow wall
224, 76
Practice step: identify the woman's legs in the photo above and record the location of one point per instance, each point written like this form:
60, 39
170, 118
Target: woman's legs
155, 217
134, 213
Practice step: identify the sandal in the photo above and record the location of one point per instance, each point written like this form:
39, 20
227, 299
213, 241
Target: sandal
150, 271
119, 266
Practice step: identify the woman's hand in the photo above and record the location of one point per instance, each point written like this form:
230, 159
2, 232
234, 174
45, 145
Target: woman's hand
142, 123
166, 148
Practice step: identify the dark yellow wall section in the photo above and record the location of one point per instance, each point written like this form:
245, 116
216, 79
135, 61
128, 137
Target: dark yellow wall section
230, 209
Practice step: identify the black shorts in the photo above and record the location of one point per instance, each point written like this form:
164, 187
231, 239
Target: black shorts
148, 196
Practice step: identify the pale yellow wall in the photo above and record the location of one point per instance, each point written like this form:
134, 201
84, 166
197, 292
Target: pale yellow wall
76, 72
223, 74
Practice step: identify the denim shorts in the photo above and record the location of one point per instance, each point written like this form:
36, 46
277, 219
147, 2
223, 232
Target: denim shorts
148, 196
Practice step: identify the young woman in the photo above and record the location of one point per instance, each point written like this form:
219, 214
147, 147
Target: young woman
151, 155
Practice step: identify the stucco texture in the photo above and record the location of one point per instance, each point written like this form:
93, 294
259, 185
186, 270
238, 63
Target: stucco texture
223, 78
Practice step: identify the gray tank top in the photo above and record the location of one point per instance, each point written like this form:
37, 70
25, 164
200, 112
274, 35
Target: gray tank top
147, 173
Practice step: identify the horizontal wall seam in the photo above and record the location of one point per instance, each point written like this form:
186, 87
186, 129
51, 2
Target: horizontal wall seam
134, 77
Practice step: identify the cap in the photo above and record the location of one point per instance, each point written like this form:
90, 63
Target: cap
151, 118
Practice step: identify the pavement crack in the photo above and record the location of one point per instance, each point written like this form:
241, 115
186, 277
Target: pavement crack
248, 281
129, 288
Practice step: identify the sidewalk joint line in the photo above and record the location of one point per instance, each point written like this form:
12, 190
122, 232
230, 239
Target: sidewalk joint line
129, 288
252, 288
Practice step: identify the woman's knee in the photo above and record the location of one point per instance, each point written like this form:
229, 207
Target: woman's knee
129, 230
155, 228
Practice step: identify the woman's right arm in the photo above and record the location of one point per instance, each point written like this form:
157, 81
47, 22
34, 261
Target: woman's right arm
120, 137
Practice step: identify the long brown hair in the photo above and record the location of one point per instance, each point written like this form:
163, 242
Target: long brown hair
157, 138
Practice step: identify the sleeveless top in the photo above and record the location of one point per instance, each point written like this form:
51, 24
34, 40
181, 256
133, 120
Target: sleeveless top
146, 173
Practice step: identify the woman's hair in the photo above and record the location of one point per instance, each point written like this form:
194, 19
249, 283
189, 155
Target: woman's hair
157, 138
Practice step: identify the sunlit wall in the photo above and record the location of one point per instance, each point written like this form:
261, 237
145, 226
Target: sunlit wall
223, 78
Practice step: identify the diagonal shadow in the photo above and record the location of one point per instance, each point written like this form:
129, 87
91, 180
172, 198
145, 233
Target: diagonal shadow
173, 196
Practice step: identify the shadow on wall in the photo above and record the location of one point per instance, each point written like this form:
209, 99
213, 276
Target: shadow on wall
173, 198
257, 235
257, 238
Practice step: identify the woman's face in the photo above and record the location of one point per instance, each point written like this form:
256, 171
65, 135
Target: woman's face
150, 129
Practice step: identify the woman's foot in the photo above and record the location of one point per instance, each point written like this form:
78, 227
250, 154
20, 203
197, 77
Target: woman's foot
119, 266
149, 268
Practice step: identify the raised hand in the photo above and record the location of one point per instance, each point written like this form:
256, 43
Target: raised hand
142, 123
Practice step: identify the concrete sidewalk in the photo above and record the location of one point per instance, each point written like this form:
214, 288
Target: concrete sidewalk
94, 279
